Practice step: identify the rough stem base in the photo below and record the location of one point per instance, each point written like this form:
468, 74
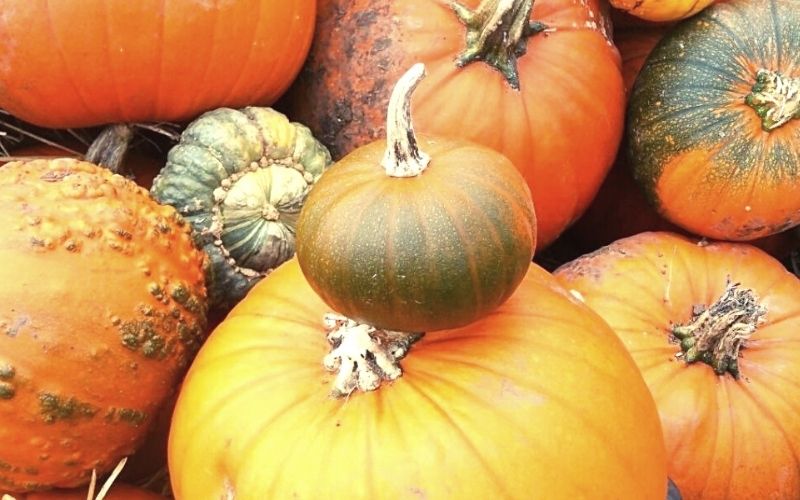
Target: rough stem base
363, 356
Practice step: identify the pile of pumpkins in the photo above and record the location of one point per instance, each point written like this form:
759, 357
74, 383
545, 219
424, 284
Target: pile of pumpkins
474, 249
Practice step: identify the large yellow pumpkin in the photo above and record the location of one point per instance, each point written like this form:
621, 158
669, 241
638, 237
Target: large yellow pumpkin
536, 400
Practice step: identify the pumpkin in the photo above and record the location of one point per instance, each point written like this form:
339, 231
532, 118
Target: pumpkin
537, 81
711, 132
715, 331
620, 209
102, 307
88, 62
138, 166
119, 491
525, 401
240, 178
661, 10
416, 236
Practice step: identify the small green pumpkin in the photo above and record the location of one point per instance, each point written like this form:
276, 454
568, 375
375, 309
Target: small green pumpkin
240, 178
417, 236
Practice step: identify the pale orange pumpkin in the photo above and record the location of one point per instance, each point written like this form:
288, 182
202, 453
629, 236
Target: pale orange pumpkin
536, 399
715, 330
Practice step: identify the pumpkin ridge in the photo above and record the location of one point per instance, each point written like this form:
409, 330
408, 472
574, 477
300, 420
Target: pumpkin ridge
118, 103
62, 55
246, 59
764, 411
464, 435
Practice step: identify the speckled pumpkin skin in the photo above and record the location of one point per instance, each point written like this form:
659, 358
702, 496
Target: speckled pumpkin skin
240, 178
415, 254
102, 306
696, 147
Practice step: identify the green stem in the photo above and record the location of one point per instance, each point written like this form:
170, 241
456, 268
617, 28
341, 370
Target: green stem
715, 335
497, 33
775, 98
403, 157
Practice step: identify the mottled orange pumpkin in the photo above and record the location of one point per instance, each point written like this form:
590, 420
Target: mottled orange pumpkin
713, 129
536, 399
715, 330
102, 307
537, 81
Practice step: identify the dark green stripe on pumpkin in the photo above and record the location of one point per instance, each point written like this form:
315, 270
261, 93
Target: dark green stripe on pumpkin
690, 94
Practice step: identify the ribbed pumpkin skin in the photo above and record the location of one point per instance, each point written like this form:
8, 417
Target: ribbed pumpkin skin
536, 399
240, 178
696, 147
418, 253
101, 309
726, 439
77, 63
661, 10
561, 129
620, 209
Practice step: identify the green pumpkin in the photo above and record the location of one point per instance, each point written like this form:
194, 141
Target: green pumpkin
415, 236
240, 177
713, 129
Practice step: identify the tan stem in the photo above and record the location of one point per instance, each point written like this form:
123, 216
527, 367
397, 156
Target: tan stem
363, 356
403, 157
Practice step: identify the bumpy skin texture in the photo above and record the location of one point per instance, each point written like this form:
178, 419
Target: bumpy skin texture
102, 307
422, 253
561, 129
537, 399
726, 438
76, 63
240, 178
696, 147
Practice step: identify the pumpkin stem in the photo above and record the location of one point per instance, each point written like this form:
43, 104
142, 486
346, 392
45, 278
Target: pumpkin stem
363, 355
775, 98
109, 148
715, 335
497, 33
403, 157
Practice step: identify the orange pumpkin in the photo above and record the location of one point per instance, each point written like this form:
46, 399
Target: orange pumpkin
661, 10
77, 63
537, 398
118, 491
102, 307
715, 330
543, 86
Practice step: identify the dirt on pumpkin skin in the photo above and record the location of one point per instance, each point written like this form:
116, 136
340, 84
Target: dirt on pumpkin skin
349, 105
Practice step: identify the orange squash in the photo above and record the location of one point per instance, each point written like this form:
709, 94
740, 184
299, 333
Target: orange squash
542, 86
102, 307
537, 398
661, 10
715, 330
77, 63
